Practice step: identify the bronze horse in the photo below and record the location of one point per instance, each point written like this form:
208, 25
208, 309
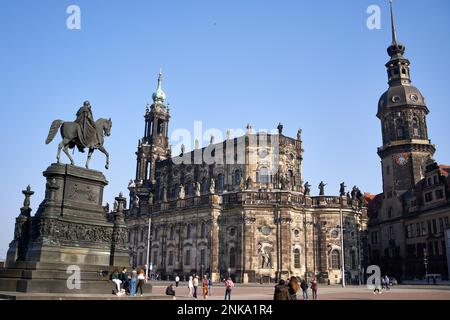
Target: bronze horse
70, 132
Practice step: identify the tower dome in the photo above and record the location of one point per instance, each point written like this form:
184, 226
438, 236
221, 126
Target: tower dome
159, 95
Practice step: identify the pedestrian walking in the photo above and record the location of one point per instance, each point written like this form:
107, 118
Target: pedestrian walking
293, 287
177, 281
190, 287
386, 282
140, 282
133, 280
281, 291
314, 286
205, 286
229, 285
304, 287
210, 284
195, 283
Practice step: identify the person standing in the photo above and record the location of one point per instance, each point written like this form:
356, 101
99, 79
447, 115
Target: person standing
124, 278
205, 286
314, 285
133, 280
304, 287
141, 281
229, 285
177, 281
293, 287
190, 287
210, 284
195, 283
386, 282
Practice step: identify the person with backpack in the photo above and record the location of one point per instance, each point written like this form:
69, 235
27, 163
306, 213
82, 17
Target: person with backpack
281, 291
229, 285
177, 281
195, 283
210, 284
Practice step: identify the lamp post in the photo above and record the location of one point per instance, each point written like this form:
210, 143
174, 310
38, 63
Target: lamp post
342, 247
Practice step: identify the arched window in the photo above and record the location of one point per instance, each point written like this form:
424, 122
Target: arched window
220, 182
335, 261
188, 231
172, 233
203, 230
232, 258
291, 178
263, 175
400, 129
416, 131
204, 185
237, 177
297, 258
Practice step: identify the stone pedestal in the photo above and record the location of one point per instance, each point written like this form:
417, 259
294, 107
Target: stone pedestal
69, 238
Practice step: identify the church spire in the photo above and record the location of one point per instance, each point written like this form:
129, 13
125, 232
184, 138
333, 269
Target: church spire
394, 28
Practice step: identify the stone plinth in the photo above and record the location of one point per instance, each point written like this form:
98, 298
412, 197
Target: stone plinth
70, 231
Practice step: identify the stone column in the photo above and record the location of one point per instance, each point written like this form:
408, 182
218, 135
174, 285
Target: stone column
214, 234
18, 247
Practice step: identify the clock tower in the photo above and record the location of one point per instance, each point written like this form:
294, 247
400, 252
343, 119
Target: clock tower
406, 148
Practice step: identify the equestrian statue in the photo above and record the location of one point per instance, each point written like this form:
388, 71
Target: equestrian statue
82, 133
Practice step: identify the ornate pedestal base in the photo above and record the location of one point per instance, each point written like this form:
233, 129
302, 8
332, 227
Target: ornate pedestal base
71, 244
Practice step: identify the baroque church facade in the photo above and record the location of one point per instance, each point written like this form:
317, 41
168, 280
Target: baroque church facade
409, 222
239, 208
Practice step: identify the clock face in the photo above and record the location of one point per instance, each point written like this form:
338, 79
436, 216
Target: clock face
401, 159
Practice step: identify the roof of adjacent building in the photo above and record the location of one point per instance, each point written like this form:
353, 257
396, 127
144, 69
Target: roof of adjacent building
374, 202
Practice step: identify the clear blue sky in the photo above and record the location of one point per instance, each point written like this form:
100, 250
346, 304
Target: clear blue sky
308, 64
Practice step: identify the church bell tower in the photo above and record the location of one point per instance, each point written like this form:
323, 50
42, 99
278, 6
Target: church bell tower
154, 146
406, 148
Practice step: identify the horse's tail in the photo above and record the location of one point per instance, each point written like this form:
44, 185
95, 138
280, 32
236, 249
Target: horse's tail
53, 130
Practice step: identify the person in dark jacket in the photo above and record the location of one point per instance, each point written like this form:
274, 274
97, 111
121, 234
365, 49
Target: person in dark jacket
170, 291
293, 287
281, 291
304, 287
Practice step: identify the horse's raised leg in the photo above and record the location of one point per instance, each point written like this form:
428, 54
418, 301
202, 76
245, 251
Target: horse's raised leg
89, 157
103, 150
66, 151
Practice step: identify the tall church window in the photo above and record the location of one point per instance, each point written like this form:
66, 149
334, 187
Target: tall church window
263, 175
297, 258
220, 182
172, 233
203, 257
335, 262
232, 258
187, 258
203, 230
237, 177
170, 262
188, 231
353, 259
291, 178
